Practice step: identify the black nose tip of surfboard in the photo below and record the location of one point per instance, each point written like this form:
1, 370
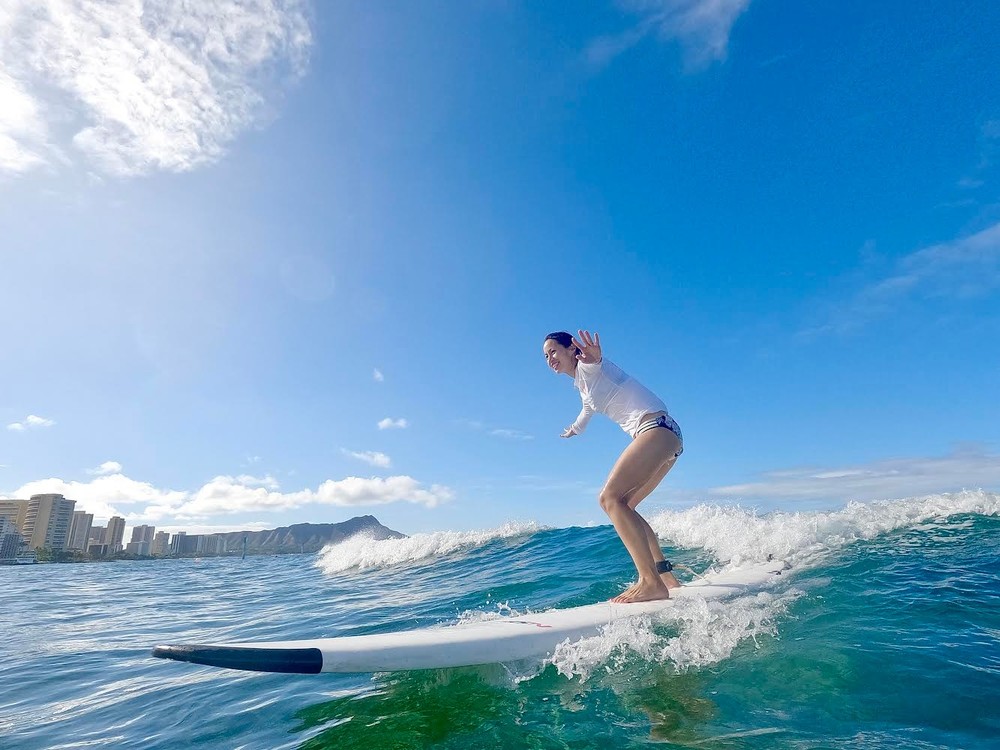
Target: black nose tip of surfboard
288, 660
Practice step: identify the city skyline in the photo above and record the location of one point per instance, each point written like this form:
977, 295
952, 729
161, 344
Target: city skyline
38, 525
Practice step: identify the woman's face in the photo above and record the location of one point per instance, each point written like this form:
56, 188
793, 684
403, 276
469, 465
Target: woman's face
560, 358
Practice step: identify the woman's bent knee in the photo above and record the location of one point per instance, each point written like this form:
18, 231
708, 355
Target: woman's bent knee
611, 501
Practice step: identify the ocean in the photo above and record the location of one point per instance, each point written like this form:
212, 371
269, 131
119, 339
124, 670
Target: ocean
885, 633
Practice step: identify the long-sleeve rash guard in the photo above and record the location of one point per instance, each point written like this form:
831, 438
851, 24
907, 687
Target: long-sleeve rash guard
606, 388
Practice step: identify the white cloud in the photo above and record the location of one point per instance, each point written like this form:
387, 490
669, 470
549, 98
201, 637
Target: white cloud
30, 422
965, 468
393, 424
374, 458
22, 132
140, 85
952, 272
702, 27
378, 376
511, 434
252, 481
106, 496
500, 432
108, 467
225, 495
961, 269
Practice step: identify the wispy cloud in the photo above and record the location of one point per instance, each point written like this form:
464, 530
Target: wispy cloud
965, 468
505, 433
31, 422
989, 150
393, 424
549, 484
140, 502
134, 86
378, 376
373, 458
952, 272
108, 467
702, 28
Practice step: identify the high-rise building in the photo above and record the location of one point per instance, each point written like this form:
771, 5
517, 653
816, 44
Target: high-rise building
138, 548
142, 540
97, 534
10, 541
177, 543
161, 543
143, 533
14, 511
210, 544
47, 522
79, 531
115, 534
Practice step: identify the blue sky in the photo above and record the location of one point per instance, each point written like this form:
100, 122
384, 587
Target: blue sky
236, 241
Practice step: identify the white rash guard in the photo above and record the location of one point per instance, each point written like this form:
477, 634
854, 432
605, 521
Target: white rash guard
606, 388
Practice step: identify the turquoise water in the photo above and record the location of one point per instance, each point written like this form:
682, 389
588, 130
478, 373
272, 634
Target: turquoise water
885, 634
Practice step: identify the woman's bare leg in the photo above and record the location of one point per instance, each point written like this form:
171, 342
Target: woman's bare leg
640, 462
633, 500
654, 541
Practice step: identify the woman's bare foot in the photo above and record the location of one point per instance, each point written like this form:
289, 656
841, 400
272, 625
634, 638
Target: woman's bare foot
643, 591
669, 581
626, 593
626, 596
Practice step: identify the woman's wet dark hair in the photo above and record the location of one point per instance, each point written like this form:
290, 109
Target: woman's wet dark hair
563, 339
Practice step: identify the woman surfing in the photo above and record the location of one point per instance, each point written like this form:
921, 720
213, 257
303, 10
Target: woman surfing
656, 443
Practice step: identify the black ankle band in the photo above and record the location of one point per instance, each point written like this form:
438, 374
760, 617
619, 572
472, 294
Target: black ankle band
664, 566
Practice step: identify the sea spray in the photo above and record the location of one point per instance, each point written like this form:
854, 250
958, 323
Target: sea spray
693, 633
710, 630
732, 534
736, 535
362, 552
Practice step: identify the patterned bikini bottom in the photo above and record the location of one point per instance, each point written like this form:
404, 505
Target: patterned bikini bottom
667, 422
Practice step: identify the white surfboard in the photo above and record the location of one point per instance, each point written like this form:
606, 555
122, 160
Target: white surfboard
505, 639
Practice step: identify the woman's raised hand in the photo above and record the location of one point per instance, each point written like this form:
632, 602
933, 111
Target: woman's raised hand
589, 346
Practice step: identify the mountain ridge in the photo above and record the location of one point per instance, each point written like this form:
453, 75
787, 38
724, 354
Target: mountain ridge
308, 537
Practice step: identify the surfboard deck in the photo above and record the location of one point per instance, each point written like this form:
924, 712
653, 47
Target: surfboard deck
504, 639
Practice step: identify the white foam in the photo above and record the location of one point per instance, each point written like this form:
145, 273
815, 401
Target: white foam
704, 632
362, 552
737, 535
503, 610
